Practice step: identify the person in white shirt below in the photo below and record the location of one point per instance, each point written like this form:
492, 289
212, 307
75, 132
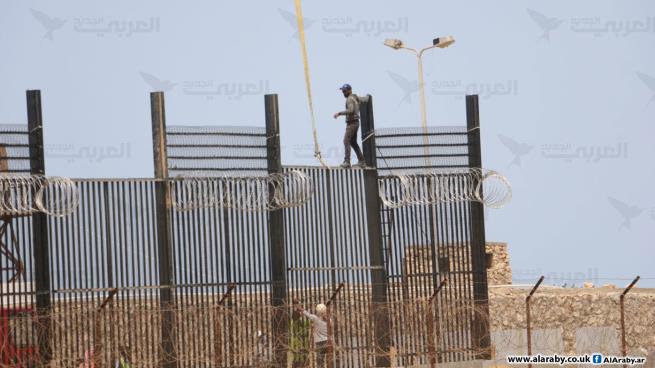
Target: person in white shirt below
320, 332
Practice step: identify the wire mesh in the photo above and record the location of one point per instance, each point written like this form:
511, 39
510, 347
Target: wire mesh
413, 150
14, 148
209, 151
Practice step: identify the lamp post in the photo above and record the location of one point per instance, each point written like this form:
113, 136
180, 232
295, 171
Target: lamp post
440, 42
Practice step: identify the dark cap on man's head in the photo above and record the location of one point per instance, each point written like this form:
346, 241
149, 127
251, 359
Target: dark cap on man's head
345, 87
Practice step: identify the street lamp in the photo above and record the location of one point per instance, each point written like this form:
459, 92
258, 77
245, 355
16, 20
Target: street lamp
440, 42
443, 42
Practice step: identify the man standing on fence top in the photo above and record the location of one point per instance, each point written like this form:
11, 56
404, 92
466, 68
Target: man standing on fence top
352, 125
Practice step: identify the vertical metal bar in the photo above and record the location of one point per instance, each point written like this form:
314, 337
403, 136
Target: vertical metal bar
394, 254
330, 245
108, 277
379, 279
76, 261
142, 279
133, 268
218, 357
227, 273
206, 250
368, 130
434, 270
624, 346
163, 206
347, 249
527, 316
480, 329
358, 252
69, 274
276, 236
121, 241
84, 212
330, 326
40, 230
57, 274
459, 275
151, 236
465, 220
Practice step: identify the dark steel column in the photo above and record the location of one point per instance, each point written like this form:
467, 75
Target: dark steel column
480, 328
368, 127
280, 322
164, 244
40, 231
379, 279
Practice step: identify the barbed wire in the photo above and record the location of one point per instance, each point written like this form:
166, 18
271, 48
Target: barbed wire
240, 332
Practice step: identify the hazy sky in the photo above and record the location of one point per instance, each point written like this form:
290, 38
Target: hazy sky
567, 98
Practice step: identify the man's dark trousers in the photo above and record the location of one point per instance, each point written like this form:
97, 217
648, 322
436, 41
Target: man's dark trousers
350, 140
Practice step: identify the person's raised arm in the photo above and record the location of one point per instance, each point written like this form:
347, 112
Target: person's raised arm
312, 317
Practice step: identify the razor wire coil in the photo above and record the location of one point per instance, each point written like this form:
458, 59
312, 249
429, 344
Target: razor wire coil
266, 193
22, 195
445, 186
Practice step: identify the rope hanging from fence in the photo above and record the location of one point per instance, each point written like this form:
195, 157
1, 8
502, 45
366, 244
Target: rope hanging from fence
27, 194
444, 186
303, 47
266, 193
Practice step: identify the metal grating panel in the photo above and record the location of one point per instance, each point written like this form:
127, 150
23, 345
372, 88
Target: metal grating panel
216, 151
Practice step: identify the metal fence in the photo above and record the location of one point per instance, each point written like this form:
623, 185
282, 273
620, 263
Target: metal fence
110, 294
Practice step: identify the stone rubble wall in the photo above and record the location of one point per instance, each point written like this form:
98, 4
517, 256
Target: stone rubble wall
566, 320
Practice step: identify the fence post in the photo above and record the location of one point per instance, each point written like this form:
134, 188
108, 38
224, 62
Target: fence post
433, 354
163, 207
40, 231
480, 328
624, 345
330, 326
379, 279
97, 339
528, 320
218, 349
280, 325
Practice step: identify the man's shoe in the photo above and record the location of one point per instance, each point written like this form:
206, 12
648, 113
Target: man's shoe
361, 164
345, 165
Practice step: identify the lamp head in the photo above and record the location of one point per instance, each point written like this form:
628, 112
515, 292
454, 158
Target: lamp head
443, 42
393, 43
